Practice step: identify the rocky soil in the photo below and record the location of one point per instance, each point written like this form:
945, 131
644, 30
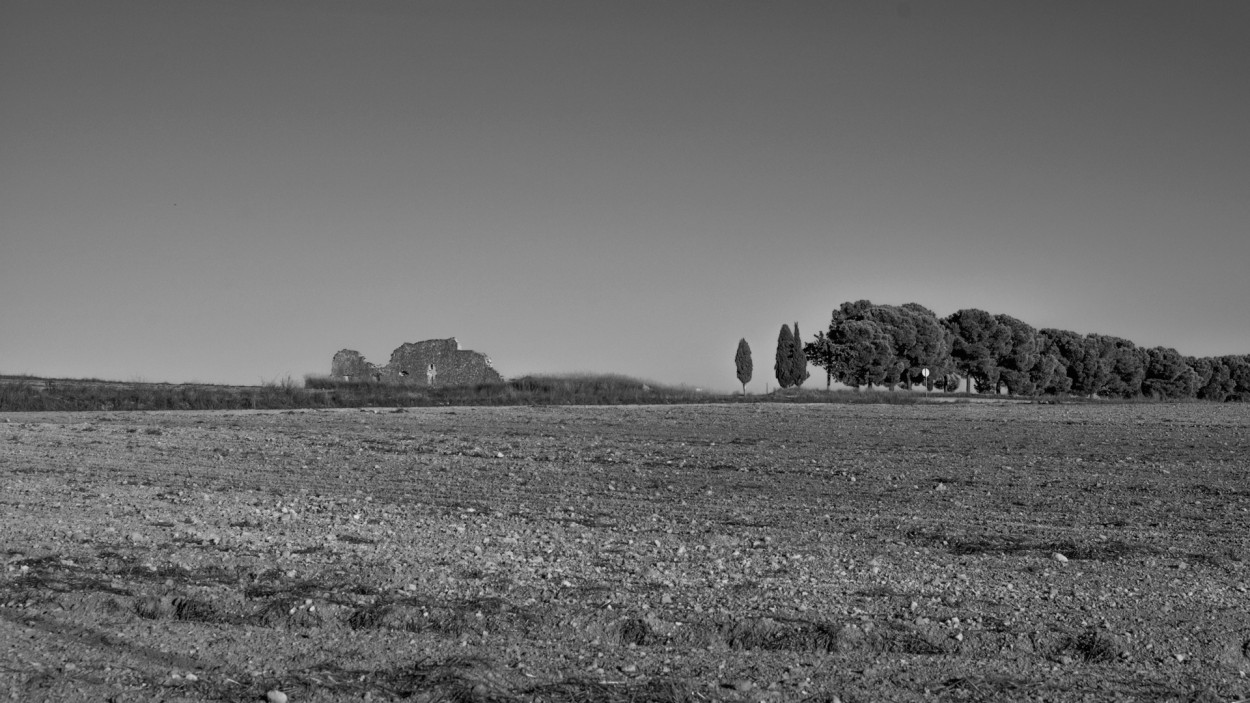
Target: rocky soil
963, 552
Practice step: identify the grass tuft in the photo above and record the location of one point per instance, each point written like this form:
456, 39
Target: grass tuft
1094, 647
777, 635
177, 608
1111, 550
583, 691
635, 631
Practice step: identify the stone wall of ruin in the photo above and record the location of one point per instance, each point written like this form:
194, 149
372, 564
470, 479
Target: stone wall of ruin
349, 365
411, 364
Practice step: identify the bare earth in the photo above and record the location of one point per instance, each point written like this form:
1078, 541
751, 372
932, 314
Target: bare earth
742, 553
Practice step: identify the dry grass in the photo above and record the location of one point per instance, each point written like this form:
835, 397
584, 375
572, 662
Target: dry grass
30, 394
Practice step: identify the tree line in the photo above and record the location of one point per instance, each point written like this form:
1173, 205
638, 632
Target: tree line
894, 346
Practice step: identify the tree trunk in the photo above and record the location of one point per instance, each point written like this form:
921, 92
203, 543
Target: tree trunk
968, 385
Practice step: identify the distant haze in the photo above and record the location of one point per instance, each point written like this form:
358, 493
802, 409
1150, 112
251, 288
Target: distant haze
232, 191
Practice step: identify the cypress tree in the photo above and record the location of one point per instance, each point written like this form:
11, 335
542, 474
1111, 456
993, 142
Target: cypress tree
784, 367
798, 359
742, 360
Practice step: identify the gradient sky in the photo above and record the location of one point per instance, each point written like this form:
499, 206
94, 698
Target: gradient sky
233, 190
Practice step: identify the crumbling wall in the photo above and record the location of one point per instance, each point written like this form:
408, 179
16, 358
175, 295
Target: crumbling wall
349, 365
435, 362
439, 362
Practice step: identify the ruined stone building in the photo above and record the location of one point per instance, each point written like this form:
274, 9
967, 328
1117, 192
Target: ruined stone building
434, 362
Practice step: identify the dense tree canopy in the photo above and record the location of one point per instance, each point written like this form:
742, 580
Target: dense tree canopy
1018, 357
978, 341
1239, 372
1219, 383
821, 352
1126, 363
864, 352
917, 340
1167, 375
1050, 374
932, 349
1087, 372
870, 344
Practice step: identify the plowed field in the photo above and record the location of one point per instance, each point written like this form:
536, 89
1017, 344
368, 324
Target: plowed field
726, 552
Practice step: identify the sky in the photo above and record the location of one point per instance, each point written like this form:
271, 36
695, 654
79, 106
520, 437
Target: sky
230, 191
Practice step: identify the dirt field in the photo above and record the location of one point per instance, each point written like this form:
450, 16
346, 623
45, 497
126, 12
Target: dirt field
765, 552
